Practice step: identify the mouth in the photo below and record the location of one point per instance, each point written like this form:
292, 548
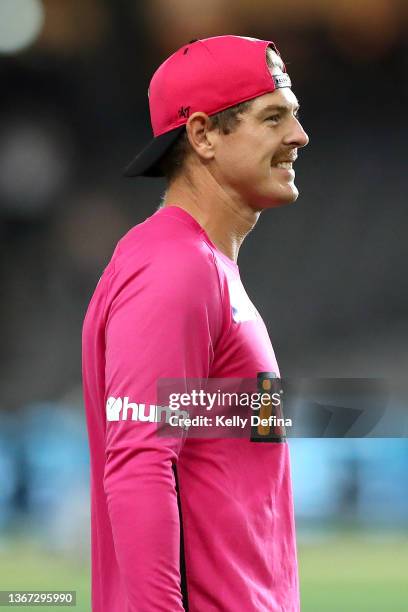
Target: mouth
285, 169
284, 165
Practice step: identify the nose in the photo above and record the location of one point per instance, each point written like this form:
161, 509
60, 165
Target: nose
297, 135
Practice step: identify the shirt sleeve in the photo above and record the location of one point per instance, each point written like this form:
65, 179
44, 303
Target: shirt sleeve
164, 319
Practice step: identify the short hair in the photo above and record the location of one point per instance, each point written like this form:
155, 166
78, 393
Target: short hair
226, 121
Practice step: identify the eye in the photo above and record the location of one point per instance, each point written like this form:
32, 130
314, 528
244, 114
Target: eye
274, 118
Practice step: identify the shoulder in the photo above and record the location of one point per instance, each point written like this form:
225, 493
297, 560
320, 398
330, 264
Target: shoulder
166, 251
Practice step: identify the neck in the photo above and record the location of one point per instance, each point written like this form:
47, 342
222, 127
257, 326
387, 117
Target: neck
225, 217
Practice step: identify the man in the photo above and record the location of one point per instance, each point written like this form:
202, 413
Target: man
213, 514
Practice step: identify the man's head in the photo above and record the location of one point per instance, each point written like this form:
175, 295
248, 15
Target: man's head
238, 125
249, 148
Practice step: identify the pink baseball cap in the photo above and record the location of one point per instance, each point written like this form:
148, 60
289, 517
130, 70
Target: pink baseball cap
207, 75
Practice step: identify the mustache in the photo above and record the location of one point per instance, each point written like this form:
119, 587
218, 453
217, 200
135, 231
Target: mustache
285, 157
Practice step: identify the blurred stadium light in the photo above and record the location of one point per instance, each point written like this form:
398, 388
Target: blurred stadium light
20, 24
74, 25
364, 29
175, 23
36, 157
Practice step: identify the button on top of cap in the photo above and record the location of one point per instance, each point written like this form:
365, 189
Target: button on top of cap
189, 43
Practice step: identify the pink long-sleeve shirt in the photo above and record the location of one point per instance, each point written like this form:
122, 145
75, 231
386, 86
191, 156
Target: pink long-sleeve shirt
171, 305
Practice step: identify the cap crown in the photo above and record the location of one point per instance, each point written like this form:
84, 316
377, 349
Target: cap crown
208, 75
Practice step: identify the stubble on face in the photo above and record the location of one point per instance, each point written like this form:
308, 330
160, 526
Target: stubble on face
256, 159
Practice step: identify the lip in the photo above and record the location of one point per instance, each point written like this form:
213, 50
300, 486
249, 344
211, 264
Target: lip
288, 172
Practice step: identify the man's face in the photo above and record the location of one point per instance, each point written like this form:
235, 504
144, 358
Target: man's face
255, 161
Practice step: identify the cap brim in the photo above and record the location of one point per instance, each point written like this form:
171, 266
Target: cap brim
146, 162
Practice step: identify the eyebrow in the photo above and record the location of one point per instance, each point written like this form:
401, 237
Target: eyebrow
278, 107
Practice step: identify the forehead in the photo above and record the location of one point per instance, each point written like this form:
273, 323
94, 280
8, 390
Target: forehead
280, 97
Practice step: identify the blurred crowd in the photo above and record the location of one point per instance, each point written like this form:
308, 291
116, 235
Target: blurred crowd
357, 484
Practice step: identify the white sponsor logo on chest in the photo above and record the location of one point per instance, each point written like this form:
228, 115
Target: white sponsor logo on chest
241, 306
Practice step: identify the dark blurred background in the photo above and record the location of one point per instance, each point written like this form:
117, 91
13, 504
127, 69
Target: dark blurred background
328, 273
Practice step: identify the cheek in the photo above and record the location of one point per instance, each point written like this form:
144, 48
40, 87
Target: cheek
234, 163
247, 157
244, 170
250, 160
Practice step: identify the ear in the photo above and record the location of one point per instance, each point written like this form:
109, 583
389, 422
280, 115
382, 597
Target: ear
200, 135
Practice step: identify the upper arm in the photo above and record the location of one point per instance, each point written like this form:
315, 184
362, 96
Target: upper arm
163, 323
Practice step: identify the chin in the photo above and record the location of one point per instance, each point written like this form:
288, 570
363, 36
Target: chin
291, 197
281, 199
287, 195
